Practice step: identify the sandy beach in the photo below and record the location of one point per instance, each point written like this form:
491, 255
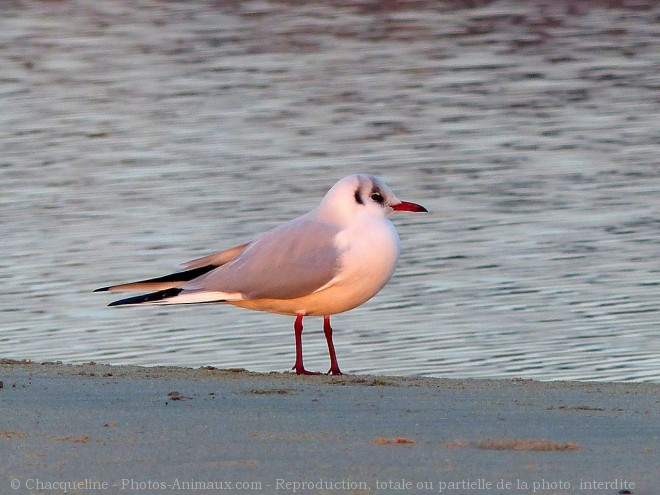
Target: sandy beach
96, 428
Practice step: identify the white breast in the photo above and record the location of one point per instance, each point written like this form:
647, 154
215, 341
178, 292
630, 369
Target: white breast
370, 250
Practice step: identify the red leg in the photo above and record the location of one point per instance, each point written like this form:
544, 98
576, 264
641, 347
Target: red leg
298, 329
327, 330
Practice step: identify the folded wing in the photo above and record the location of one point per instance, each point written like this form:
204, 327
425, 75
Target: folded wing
290, 261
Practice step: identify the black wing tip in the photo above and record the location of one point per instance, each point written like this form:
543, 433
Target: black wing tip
146, 298
184, 276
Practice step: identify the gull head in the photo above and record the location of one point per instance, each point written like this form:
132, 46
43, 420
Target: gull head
363, 193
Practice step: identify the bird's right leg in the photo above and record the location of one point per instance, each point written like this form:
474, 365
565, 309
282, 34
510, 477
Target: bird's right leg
298, 329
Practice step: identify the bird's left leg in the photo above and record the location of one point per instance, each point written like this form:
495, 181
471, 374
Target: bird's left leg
327, 330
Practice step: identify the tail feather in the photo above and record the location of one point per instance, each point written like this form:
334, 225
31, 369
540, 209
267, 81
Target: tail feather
176, 295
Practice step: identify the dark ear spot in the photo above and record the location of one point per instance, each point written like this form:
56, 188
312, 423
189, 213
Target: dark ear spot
358, 197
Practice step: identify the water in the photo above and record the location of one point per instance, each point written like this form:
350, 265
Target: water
134, 138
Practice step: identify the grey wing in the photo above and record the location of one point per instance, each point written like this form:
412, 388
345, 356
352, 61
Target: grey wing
193, 270
290, 261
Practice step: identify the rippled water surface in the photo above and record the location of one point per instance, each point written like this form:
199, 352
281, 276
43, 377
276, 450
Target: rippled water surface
134, 137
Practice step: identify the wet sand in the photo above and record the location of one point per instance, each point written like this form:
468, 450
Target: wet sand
96, 428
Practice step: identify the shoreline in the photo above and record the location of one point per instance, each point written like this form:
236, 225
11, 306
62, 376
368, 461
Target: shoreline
147, 430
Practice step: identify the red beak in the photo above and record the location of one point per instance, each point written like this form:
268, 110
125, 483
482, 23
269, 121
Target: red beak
407, 206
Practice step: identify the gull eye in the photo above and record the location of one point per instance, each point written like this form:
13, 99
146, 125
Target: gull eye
378, 198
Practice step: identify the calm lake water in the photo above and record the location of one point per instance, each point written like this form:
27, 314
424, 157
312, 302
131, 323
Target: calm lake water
135, 137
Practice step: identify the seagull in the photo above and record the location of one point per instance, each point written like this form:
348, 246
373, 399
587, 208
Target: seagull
330, 260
